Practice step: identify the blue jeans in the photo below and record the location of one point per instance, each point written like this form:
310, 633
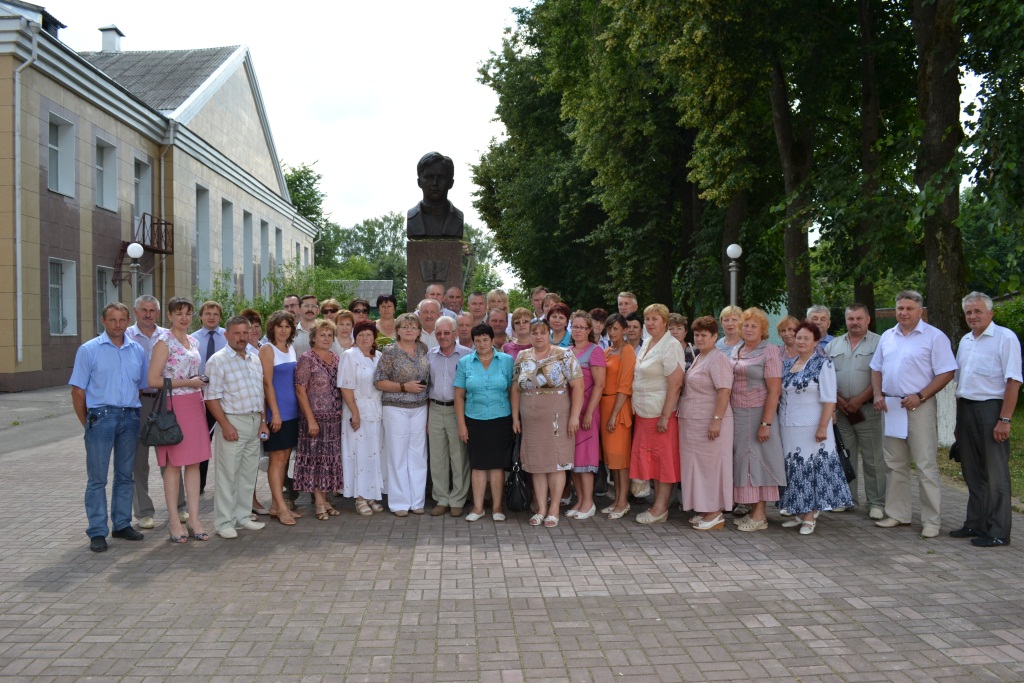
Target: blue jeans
109, 429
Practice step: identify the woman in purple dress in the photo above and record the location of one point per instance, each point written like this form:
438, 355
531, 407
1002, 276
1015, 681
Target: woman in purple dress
318, 455
587, 456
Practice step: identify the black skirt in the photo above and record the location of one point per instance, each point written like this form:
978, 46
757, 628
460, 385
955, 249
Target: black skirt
285, 438
490, 443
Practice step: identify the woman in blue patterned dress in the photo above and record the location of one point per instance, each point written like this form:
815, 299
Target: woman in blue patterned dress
814, 475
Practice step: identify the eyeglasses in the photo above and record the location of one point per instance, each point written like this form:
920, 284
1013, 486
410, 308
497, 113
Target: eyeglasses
360, 310
311, 307
328, 311
580, 327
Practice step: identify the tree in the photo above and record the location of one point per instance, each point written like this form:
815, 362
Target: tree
307, 198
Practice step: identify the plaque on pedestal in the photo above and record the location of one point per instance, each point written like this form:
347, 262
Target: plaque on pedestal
430, 261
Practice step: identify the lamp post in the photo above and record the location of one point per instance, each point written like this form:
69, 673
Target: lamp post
135, 252
733, 251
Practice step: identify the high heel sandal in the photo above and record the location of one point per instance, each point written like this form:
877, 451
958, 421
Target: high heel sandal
713, 524
201, 536
331, 511
363, 508
375, 506
322, 514
178, 539
288, 519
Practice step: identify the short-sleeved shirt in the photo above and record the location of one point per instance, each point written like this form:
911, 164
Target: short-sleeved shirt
654, 363
750, 370
853, 366
147, 343
182, 363
487, 395
110, 376
236, 381
986, 363
555, 371
396, 365
442, 372
910, 362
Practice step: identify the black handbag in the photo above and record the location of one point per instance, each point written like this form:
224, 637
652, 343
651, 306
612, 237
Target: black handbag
518, 494
844, 455
161, 427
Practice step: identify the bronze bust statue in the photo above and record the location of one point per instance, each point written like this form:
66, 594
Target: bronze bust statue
434, 217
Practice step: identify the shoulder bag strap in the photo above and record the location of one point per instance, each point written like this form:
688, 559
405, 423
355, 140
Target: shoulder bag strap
167, 393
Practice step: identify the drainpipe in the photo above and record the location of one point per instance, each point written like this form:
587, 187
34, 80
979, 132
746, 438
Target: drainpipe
172, 128
18, 289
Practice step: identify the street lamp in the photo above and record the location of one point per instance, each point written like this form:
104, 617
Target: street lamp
135, 252
733, 251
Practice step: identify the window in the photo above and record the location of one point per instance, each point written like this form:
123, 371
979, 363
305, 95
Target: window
248, 256
305, 256
106, 175
202, 270
265, 265
227, 237
63, 298
297, 253
61, 171
143, 191
278, 246
106, 292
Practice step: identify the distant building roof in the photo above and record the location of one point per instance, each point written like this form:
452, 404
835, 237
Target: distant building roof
163, 79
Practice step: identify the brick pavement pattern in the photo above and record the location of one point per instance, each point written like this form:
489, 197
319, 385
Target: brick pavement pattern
438, 599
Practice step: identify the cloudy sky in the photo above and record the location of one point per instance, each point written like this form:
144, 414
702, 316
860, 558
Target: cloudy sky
361, 88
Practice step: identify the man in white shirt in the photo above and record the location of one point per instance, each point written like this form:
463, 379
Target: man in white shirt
235, 398
428, 312
627, 303
145, 332
449, 459
859, 424
912, 363
988, 384
477, 307
537, 300
464, 326
309, 310
435, 291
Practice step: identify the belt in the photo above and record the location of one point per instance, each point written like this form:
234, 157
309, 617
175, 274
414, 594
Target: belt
148, 392
110, 408
979, 400
545, 392
604, 395
442, 403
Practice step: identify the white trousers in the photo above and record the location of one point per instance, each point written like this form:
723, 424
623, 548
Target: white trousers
405, 446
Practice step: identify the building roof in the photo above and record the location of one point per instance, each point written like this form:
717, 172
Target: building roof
163, 79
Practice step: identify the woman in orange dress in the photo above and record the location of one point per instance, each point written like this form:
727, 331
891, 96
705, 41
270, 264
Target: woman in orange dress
617, 412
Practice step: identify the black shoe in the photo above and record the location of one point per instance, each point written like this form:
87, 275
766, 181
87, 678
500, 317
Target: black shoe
989, 542
965, 532
98, 544
128, 534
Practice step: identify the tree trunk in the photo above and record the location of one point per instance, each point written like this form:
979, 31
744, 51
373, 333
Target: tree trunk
795, 153
938, 95
870, 125
735, 217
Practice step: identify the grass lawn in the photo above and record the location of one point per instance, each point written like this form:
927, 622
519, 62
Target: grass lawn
952, 469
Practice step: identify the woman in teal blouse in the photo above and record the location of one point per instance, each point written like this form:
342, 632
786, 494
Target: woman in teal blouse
484, 413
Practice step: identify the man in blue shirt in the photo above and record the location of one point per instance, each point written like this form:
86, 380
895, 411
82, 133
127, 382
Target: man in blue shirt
211, 340
109, 372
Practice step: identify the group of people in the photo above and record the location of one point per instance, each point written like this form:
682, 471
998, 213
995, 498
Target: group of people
368, 409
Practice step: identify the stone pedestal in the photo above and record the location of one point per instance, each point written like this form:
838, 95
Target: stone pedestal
430, 261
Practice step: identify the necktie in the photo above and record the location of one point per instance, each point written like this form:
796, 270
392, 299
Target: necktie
209, 347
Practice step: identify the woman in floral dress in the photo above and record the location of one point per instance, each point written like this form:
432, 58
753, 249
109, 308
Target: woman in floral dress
814, 475
318, 454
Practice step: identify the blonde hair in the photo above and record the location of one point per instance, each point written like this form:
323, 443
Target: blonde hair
786, 322
730, 311
319, 324
661, 310
521, 313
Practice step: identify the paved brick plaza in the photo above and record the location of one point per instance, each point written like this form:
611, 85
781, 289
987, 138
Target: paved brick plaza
438, 599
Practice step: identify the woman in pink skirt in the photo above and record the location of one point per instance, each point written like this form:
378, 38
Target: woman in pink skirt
588, 437
176, 357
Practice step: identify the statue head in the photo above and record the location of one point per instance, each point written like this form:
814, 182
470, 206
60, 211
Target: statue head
435, 174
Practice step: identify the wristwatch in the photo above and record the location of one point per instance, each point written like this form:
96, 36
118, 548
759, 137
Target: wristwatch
766, 424
1004, 420
920, 396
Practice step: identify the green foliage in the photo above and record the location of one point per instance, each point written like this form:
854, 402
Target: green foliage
1010, 314
286, 279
